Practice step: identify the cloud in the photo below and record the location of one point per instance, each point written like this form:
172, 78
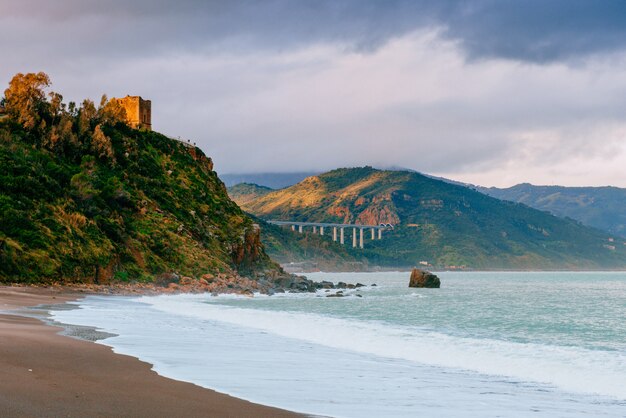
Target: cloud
537, 30
533, 30
414, 102
491, 93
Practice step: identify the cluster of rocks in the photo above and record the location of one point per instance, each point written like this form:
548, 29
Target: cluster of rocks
302, 284
224, 283
264, 283
214, 284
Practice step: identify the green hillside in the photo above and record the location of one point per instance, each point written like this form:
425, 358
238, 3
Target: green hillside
83, 197
441, 223
601, 207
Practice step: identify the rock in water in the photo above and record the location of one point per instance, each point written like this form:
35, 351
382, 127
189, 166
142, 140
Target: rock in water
421, 278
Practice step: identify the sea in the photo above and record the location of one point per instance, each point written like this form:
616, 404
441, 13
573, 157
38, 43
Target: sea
486, 344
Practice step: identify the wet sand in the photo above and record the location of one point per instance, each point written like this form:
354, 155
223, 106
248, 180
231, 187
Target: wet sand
45, 374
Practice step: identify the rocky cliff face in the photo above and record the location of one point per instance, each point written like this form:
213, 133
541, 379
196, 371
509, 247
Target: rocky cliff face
248, 252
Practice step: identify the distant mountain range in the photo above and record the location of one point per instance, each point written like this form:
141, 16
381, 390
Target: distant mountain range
600, 207
442, 223
272, 180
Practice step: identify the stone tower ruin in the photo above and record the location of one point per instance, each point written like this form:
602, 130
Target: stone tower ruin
138, 111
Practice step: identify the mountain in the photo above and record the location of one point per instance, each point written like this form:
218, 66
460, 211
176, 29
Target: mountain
441, 223
271, 180
243, 193
83, 199
601, 207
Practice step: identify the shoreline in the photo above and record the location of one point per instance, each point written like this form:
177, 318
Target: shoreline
443, 270
48, 374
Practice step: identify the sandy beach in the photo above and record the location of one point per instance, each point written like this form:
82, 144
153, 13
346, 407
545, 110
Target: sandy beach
45, 374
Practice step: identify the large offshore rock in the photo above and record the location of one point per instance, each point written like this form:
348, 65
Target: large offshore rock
421, 278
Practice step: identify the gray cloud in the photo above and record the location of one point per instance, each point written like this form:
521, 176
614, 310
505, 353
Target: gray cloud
490, 92
533, 30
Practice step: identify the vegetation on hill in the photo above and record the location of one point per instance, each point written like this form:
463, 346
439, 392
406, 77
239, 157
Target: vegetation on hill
441, 223
601, 207
83, 197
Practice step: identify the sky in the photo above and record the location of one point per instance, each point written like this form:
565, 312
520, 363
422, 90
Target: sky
487, 92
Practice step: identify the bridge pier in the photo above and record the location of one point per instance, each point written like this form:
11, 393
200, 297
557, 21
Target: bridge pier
356, 242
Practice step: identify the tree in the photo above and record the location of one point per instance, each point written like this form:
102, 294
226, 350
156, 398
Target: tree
101, 144
25, 99
86, 115
111, 111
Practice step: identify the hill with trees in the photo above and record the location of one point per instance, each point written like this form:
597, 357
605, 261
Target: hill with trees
601, 207
444, 224
85, 198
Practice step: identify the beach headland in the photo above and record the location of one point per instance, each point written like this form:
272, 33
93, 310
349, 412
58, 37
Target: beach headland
46, 374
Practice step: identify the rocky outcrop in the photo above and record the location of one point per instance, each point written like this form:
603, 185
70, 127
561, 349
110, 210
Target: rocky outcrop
421, 278
248, 252
377, 214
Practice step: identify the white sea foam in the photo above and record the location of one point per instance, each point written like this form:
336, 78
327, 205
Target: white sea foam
569, 368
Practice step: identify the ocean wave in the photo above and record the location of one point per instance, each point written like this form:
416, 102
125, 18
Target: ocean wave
568, 368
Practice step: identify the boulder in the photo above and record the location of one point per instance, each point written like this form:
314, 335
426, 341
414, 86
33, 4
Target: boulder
165, 279
421, 278
335, 295
208, 277
186, 281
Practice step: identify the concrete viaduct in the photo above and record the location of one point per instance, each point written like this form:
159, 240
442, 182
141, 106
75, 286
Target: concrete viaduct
376, 230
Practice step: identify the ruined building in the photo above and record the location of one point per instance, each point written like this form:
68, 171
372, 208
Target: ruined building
138, 111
